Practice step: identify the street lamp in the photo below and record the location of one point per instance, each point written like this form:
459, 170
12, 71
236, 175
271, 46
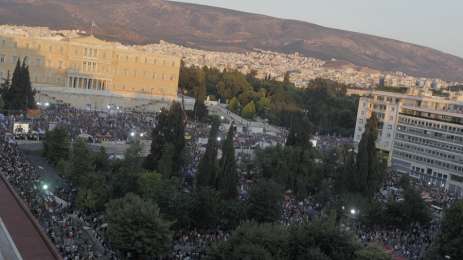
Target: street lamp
353, 212
132, 134
45, 187
219, 139
222, 117
142, 134
47, 104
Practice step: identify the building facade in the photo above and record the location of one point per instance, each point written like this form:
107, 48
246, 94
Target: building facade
422, 135
84, 66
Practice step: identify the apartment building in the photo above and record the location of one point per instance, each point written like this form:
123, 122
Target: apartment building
69, 67
422, 134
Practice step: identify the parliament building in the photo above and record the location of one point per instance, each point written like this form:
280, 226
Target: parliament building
84, 71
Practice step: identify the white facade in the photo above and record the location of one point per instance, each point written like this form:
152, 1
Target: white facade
423, 135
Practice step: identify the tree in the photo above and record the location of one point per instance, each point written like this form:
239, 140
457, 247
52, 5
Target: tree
170, 128
19, 95
56, 145
320, 239
263, 105
369, 173
448, 244
253, 241
200, 92
227, 176
294, 168
264, 203
81, 164
249, 111
29, 93
208, 165
149, 185
234, 105
205, 212
166, 164
300, 132
101, 160
135, 226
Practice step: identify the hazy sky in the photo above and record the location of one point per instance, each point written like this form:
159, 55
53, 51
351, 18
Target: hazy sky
433, 23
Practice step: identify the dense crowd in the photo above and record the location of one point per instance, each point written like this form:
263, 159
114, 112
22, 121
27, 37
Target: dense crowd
80, 235
53, 211
111, 125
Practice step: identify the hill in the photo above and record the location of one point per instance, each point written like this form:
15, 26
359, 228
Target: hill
204, 27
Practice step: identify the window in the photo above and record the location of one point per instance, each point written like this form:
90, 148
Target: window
2, 58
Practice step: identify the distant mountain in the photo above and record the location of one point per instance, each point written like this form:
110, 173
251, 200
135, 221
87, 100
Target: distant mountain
204, 27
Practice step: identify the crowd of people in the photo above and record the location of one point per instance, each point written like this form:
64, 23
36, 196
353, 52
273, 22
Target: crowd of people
193, 244
410, 244
110, 125
81, 235
52, 210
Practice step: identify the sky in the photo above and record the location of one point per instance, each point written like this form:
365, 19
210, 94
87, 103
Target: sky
433, 23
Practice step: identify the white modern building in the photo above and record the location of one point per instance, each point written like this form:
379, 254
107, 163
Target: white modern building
422, 134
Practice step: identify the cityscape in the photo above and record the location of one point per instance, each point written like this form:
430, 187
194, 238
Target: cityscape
157, 144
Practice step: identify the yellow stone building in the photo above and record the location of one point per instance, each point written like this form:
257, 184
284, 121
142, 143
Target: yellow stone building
89, 72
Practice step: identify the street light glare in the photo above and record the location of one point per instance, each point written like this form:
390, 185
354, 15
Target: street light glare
45, 187
132, 134
353, 211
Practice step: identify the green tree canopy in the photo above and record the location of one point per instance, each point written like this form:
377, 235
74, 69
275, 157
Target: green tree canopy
227, 175
249, 111
135, 226
234, 105
170, 129
19, 94
369, 173
56, 145
208, 165
448, 244
264, 203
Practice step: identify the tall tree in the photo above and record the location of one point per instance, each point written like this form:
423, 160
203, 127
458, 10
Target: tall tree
166, 164
170, 128
208, 165
228, 176
135, 226
369, 173
200, 93
28, 92
300, 131
20, 96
